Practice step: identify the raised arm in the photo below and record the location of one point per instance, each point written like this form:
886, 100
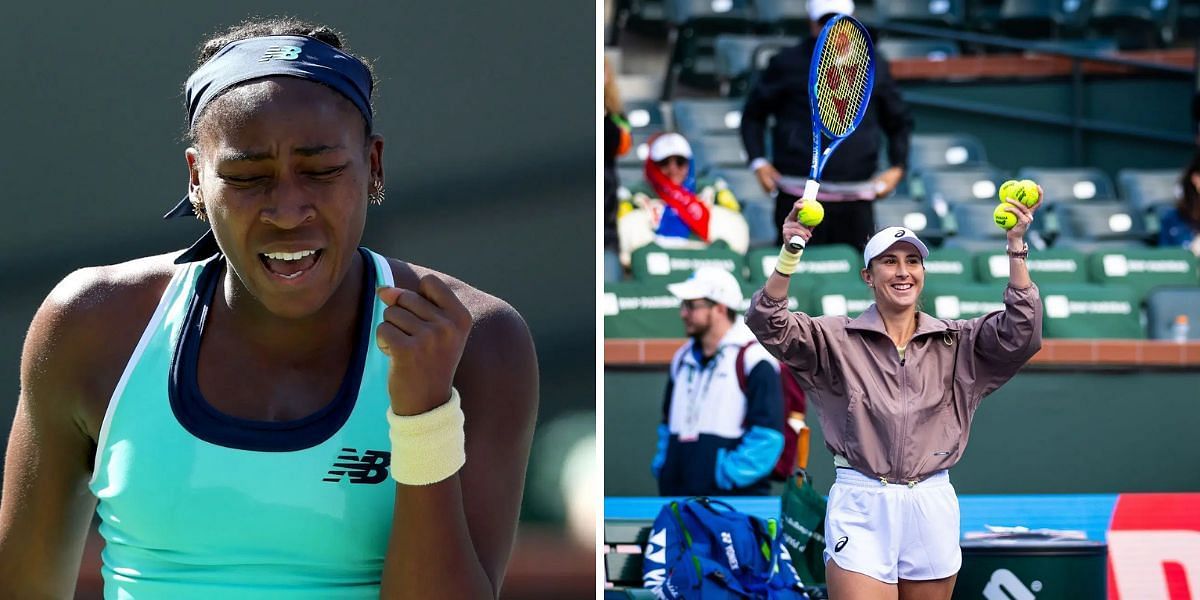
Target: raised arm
453, 538
46, 506
1015, 334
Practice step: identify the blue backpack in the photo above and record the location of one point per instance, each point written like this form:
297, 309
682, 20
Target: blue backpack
702, 548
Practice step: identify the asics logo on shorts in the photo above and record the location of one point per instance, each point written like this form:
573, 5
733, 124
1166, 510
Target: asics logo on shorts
371, 467
280, 53
841, 543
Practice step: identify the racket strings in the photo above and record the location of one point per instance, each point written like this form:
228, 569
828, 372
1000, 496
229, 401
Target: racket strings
842, 76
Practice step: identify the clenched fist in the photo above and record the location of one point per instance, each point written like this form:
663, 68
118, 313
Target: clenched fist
424, 333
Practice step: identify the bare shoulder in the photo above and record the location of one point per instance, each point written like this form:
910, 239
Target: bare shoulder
488, 312
85, 331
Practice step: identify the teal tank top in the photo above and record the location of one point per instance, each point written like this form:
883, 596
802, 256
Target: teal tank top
195, 503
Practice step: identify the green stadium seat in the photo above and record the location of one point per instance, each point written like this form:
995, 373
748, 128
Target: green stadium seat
636, 157
694, 27
739, 57
1164, 305
975, 228
940, 151
717, 152
697, 118
783, 16
949, 300
819, 264
841, 298
1136, 24
952, 186
654, 264
1037, 19
1146, 189
1049, 266
634, 309
1144, 269
899, 48
915, 215
945, 13
1082, 311
950, 265
1099, 222
645, 115
1064, 185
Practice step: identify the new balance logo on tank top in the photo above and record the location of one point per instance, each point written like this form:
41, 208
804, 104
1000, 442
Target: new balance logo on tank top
195, 503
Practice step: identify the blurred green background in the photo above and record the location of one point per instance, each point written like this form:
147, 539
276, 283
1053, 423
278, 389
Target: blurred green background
488, 110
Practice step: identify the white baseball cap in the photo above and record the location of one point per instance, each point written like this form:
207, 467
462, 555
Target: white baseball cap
888, 237
669, 144
820, 8
710, 283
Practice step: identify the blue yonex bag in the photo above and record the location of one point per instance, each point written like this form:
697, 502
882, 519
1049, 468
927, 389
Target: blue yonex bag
703, 549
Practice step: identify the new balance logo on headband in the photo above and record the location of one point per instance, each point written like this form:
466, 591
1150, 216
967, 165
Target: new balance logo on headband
280, 53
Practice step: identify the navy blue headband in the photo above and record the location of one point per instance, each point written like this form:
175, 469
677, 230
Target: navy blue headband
270, 56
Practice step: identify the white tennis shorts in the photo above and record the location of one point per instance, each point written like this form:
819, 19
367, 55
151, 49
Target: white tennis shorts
890, 532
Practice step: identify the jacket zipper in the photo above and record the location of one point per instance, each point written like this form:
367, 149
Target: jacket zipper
898, 468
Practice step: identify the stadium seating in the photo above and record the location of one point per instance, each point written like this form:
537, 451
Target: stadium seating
636, 156
654, 264
782, 16
946, 13
840, 298
913, 214
718, 151
1164, 305
1061, 185
694, 118
1145, 189
976, 229
645, 115
757, 206
939, 151
977, 184
694, 27
1098, 224
1049, 266
1144, 269
739, 57
1082, 311
820, 264
1039, 19
949, 300
634, 309
898, 48
949, 265
1135, 23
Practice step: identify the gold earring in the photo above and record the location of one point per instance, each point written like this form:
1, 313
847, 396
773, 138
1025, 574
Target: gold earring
198, 208
376, 195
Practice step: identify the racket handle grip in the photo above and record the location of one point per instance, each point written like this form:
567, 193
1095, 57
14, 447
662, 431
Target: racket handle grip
810, 189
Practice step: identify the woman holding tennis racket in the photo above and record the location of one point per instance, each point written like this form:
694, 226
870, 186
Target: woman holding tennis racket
237, 408
896, 390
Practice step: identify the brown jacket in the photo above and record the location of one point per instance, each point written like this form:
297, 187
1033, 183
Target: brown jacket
900, 420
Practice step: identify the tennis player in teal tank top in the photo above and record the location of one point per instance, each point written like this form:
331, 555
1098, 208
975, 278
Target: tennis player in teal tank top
275, 412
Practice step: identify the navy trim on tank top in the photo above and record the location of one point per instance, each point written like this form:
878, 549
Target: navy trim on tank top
204, 421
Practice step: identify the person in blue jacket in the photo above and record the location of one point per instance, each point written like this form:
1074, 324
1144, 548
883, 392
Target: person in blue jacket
716, 439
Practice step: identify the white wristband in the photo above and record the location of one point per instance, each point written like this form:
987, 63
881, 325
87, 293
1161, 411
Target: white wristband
429, 447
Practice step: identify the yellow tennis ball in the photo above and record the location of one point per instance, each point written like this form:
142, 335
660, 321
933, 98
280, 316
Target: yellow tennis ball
1008, 189
1027, 193
811, 213
1004, 218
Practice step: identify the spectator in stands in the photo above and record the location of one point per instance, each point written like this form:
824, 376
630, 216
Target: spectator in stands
896, 390
617, 141
241, 448
1181, 224
674, 208
716, 439
782, 92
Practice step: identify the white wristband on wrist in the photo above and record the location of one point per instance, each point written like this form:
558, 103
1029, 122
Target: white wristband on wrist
429, 447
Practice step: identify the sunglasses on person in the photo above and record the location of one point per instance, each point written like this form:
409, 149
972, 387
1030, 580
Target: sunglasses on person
678, 161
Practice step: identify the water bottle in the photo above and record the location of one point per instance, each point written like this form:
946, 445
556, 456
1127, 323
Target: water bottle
1179, 331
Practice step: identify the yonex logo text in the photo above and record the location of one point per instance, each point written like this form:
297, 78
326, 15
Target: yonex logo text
371, 467
280, 53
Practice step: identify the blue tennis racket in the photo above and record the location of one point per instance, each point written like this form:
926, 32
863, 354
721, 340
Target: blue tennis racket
840, 78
